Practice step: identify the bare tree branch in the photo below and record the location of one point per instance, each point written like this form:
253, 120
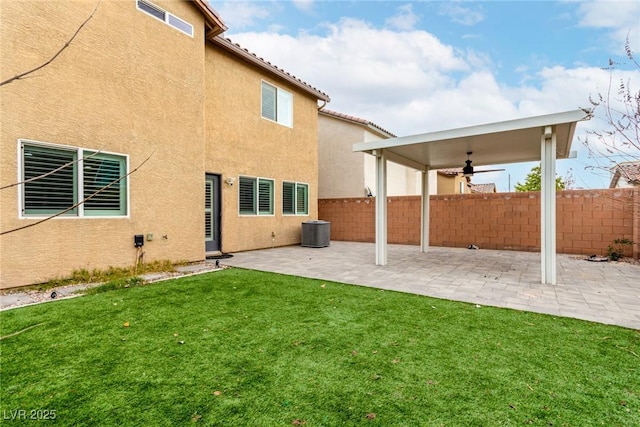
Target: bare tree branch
80, 202
66, 45
35, 178
620, 113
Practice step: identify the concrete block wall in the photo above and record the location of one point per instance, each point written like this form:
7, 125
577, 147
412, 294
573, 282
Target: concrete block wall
587, 220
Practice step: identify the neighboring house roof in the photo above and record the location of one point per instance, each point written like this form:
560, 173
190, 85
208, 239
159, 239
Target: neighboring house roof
372, 126
482, 188
214, 23
252, 58
450, 171
629, 171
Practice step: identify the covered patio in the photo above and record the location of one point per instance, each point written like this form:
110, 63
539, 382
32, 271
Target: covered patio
541, 138
595, 291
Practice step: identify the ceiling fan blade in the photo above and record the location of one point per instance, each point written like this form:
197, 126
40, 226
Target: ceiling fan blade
488, 170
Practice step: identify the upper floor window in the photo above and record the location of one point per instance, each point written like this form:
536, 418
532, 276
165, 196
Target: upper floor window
166, 17
255, 196
277, 104
58, 179
295, 198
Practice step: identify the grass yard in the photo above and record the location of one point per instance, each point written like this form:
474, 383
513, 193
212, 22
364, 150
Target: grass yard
244, 348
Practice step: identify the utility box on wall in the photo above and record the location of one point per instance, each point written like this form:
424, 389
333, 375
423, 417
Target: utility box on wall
316, 234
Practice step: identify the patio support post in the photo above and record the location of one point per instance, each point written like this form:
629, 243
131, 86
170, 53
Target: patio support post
424, 215
548, 206
381, 208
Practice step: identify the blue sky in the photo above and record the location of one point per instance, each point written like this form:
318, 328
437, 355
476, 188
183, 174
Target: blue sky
421, 66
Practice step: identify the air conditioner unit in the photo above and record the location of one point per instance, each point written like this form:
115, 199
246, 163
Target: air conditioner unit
316, 234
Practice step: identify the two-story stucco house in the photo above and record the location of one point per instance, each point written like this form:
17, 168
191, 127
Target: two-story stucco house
150, 124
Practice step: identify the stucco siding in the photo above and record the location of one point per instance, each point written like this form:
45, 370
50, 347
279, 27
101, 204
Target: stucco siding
128, 84
239, 142
342, 172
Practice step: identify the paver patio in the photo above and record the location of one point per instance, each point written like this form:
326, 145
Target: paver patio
604, 292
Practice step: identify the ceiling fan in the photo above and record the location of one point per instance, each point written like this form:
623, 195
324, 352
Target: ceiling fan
468, 169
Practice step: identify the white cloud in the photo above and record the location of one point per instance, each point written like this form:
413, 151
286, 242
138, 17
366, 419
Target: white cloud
607, 14
404, 20
304, 5
621, 17
361, 66
241, 14
462, 15
410, 82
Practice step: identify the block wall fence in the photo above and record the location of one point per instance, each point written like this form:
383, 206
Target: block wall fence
587, 220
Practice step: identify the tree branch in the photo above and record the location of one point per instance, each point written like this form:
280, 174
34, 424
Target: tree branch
66, 45
35, 178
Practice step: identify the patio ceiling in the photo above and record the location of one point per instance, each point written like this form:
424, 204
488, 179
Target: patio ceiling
511, 141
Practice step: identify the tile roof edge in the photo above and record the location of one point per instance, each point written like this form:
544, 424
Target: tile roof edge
358, 120
236, 49
212, 17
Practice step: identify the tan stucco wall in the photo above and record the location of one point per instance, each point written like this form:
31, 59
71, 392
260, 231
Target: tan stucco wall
451, 184
344, 173
342, 170
127, 84
240, 142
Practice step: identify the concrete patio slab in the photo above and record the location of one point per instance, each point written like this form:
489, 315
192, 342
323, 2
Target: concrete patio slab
604, 292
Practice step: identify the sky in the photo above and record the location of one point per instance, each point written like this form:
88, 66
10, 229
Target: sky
413, 67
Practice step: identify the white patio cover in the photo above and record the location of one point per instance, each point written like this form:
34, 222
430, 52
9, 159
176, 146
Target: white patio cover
540, 138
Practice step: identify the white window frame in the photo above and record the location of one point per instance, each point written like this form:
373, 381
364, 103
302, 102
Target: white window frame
169, 18
284, 105
78, 181
296, 211
256, 196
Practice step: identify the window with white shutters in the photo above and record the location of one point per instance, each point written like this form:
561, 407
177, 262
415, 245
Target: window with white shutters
57, 179
255, 196
295, 198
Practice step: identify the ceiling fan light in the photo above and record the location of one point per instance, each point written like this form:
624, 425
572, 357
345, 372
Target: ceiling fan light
468, 169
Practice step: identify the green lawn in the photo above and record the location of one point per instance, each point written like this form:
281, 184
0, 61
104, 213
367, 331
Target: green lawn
244, 348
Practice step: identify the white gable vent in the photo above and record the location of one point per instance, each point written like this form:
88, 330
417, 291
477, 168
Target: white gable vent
164, 16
